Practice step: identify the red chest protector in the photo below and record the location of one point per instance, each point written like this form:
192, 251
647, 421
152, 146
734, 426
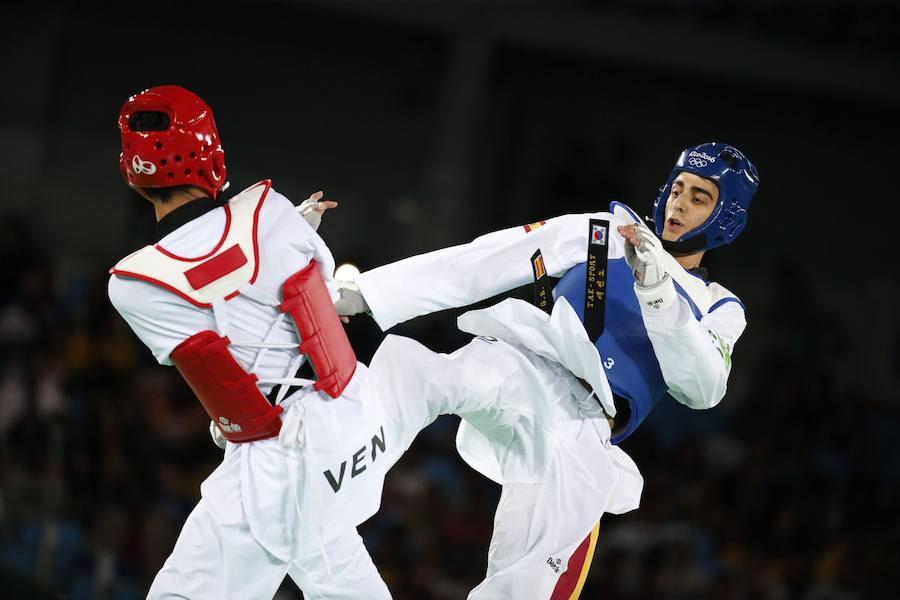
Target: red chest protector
226, 390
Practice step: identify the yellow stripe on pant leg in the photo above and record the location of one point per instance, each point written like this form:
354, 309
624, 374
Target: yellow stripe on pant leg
589, 557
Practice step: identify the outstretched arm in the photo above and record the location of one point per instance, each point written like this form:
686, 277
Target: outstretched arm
461, 275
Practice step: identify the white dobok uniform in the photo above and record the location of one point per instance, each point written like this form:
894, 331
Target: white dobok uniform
268, 510
548, 444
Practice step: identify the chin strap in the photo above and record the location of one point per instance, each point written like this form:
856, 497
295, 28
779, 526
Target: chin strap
685, 247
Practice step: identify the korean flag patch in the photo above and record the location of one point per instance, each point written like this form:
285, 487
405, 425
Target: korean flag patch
598, 235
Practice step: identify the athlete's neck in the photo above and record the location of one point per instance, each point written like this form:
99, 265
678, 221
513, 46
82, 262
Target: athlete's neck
176, 201
690, 261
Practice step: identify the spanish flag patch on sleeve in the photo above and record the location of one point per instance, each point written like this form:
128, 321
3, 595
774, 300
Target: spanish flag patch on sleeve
532, 226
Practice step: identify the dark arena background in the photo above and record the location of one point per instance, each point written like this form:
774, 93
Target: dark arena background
432, 122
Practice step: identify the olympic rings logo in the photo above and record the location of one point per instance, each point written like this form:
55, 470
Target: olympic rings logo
142, 167
697, 162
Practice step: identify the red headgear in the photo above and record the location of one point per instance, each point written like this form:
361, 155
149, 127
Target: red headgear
182, 148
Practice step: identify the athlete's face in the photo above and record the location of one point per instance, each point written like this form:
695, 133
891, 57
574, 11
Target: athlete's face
690, 203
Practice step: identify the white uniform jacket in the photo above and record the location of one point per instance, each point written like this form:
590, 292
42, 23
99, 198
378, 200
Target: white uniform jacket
693, 340
281, 494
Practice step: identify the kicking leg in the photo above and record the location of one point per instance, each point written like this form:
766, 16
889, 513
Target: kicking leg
538, 547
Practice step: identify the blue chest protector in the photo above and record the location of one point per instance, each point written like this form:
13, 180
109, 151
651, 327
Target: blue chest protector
628, 357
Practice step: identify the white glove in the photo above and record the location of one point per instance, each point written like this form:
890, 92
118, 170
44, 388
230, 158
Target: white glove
351, 301
654, 289
313, 208
307, 210
646, 259
217, 436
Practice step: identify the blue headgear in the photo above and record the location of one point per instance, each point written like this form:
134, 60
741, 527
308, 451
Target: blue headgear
737, 180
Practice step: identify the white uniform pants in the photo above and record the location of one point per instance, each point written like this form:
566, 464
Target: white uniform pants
267, 510
225, 562
523, 428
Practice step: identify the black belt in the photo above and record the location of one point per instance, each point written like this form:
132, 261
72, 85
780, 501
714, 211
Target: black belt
305, 371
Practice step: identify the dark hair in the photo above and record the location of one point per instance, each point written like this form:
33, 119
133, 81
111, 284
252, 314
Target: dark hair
164, 194
148, 120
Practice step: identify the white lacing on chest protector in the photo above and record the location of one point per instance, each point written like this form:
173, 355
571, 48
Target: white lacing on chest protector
220, 312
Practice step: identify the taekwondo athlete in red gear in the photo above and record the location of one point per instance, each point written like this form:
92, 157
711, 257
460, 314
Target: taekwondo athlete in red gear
238, 296
667, 331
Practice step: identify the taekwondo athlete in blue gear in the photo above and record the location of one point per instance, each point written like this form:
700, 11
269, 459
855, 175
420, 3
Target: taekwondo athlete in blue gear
666, 331
631, 366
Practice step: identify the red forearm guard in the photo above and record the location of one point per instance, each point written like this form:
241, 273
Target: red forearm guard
227, 392
322, 336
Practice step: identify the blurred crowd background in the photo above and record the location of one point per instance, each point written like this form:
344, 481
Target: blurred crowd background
431, 123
